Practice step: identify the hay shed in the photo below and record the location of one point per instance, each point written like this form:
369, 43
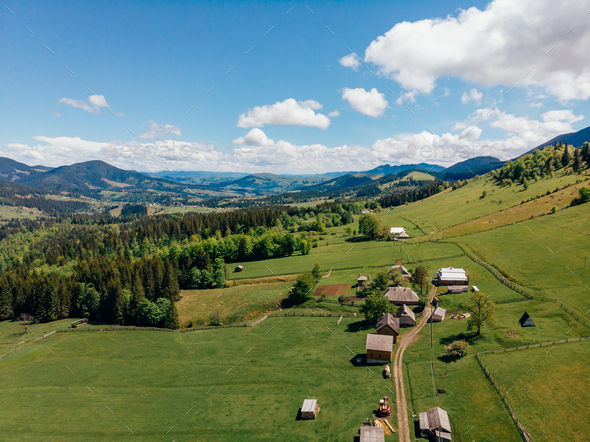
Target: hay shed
239, 268
309, 409
372, 434
526, 321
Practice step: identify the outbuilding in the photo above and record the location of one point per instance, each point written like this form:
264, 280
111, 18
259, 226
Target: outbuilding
452, 276
361, 280
372, 434
403, 270
407, 318
438, 315
309, 409
458, 288
435, 424
239, 268
397, 230
403, 235
388, 325
526, 321
379, 348
402, 295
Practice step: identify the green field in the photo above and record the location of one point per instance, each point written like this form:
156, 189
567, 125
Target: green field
552, 400
231, 384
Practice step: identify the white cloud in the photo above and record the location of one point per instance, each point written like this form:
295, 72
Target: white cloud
350, 61
474, 95
371, 103
334, 114
408, 96
282, 113
255, 137
95, 102
56, 114
158, 131
496, 46
535, 104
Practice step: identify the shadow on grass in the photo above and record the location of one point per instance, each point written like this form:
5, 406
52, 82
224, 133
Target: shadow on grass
358, 239
357, 326
471, 338
360, 360
449, 358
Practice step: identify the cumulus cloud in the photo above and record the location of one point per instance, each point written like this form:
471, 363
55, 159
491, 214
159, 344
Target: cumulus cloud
95, 102
255, 137
56, 114
496, 46
371, 103
535, 104
158, 131
285, 113
334, 114
350, 61
473, 95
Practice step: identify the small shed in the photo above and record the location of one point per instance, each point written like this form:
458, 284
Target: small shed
309, 409
239, 268
474, 288
379, 348
526, 321
372, 434
407, 318
361, 280
458, 288
403, 235
402, 295
388, 325
438, 315
403, 270
435, 424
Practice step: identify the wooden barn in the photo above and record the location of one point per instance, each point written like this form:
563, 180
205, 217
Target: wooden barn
309, 409
435, 424
379, 348
457, 289
402, 295
239, 268
452, 276
406, 316
403, 270
438, 315
361, 281
526, 321
371, 434
388, 325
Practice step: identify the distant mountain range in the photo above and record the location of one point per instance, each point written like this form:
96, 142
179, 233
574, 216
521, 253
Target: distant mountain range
576, 139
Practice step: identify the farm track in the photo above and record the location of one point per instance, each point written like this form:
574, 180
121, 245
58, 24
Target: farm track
402, 408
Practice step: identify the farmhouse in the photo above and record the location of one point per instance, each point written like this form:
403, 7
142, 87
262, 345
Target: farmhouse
239, 268
371, 434
438, 315
435, 424
402, 295
403, 270
526, 321
379, 348
407, 318
397, 230
309, 409
388, 325
458, 288
452, 276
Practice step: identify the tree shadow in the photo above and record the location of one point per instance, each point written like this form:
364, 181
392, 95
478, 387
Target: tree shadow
358, 239
357, 326
447, 359
471, 338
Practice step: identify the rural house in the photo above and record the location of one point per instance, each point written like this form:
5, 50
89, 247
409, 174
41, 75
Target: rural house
371, 434
402, 295
407, 318
526, 321
397, 230
403, 270
438, 315
379, 348
388, 325
452, 276
435, 424
309, 409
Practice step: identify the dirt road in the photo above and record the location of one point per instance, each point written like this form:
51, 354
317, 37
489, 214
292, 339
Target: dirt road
402, 410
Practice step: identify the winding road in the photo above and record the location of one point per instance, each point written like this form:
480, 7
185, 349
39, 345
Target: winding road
402, 408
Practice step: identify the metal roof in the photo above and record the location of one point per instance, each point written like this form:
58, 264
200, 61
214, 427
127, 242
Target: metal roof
379, 342
397, 230
309, 405
372, 434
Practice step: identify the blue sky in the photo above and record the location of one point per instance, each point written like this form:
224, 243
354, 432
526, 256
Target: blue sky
435, 69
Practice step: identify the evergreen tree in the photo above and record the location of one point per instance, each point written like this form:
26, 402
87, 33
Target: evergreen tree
219, 273
586, 152
170, 289
577, 166
205, 279
194, 278
566, 158
172, 317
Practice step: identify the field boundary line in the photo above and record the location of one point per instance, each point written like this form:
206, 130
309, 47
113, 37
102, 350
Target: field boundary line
29, 342
258, 321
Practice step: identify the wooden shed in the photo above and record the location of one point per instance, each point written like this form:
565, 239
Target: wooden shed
403, 235
407, 318
526, 321
403, 270
438, 315
309, 409
388, 325
458, 288
239, 268
371, 434
379, 348
435, 424
361, 280
402, 295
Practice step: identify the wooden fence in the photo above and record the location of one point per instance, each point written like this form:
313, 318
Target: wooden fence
308, 314
27, 343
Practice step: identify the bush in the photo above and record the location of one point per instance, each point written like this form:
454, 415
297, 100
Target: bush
458, 348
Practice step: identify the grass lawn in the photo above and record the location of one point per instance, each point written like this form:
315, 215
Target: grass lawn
232, 384
552, 400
